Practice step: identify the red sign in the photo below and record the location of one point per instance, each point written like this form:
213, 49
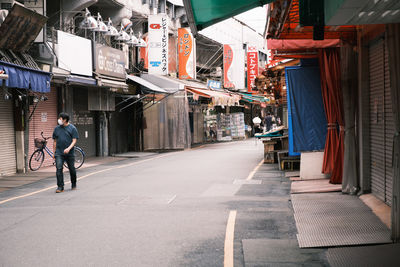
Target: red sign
155, 26
252, 67
228, 58
186, 55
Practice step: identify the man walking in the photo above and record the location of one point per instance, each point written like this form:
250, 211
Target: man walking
65, 136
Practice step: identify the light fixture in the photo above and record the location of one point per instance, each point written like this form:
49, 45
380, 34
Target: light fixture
142, 42
133, 40
111, 30
126, 24
123, 36
89, 22
101, 26
7, 95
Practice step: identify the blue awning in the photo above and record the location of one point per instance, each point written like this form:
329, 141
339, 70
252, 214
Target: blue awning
26, 78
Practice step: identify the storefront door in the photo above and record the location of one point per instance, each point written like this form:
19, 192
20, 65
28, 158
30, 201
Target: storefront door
381, 122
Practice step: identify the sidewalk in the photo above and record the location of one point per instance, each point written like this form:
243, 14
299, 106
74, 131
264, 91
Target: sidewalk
20, 179
312, 228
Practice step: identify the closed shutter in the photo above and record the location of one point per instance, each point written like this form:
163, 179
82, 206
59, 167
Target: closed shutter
44, 119
377, 127
84, 121
389, 133
7, 137
381, 122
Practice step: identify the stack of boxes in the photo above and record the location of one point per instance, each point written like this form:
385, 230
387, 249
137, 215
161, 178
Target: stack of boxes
224, 124
238, 127
230, 126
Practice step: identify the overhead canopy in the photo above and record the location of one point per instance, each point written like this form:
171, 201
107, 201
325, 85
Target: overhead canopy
146, 84
25, 78
218, 98
283, 44
168, 84
204, 13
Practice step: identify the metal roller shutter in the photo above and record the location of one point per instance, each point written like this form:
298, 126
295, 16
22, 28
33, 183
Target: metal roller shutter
389, 133
381, 122
84, 122
44, 119
7, 137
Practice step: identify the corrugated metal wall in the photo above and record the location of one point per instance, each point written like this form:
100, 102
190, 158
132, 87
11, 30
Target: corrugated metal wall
381, 122
7, 137
44, 119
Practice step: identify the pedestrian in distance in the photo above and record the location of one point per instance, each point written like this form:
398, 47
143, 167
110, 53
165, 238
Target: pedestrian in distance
65, 136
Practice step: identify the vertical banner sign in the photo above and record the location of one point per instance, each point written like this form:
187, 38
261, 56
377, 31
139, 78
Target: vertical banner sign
186, 54
228, 58
158, 44
252, 66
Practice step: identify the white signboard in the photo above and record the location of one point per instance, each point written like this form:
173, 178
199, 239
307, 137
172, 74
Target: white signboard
234, 66
43, 117
158, 44
74, 53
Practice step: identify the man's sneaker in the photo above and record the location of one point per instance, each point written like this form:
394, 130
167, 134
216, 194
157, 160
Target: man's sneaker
73, 186
59, 189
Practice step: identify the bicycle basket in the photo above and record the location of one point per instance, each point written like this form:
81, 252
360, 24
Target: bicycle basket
40, 143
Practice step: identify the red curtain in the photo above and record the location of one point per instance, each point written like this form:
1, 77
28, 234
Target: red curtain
333, 104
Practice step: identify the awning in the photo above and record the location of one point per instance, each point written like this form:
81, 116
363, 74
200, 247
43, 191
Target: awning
101, 81
145, 83
170, 85
176, 2
204, 13
256, 98
285, 44
75, 79
25, 78
218, 98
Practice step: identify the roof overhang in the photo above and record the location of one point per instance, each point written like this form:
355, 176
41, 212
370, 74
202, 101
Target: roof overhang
204, 13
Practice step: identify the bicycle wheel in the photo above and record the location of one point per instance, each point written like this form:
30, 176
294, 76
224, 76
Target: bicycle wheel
36, 160
79, 157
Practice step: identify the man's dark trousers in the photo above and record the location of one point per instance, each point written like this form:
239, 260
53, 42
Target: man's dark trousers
70, 159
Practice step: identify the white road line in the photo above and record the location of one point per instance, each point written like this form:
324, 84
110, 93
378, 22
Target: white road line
229, 238
255, 170
84, 176
172, 199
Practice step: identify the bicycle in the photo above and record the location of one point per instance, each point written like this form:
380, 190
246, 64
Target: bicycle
37, 158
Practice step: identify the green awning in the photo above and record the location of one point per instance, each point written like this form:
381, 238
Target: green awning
204, 13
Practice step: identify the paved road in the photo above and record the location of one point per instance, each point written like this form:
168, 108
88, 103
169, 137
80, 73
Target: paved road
170, 210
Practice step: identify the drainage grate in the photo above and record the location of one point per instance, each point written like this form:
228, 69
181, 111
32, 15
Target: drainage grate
334, 219
382, 255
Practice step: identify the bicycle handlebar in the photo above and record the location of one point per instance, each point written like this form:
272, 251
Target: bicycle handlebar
45, 138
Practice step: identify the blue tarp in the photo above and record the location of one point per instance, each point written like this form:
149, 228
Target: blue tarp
307, 125
25, 78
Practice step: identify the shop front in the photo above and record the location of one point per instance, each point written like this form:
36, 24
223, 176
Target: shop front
44, 112
116, 125
20, 79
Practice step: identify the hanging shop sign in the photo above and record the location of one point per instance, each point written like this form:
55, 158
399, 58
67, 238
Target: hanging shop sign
186, 54
252, 67
228, 58
233, 64
74, 53
110, 61
158, 44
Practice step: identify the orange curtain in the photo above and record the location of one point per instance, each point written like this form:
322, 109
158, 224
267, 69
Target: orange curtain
333, 104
